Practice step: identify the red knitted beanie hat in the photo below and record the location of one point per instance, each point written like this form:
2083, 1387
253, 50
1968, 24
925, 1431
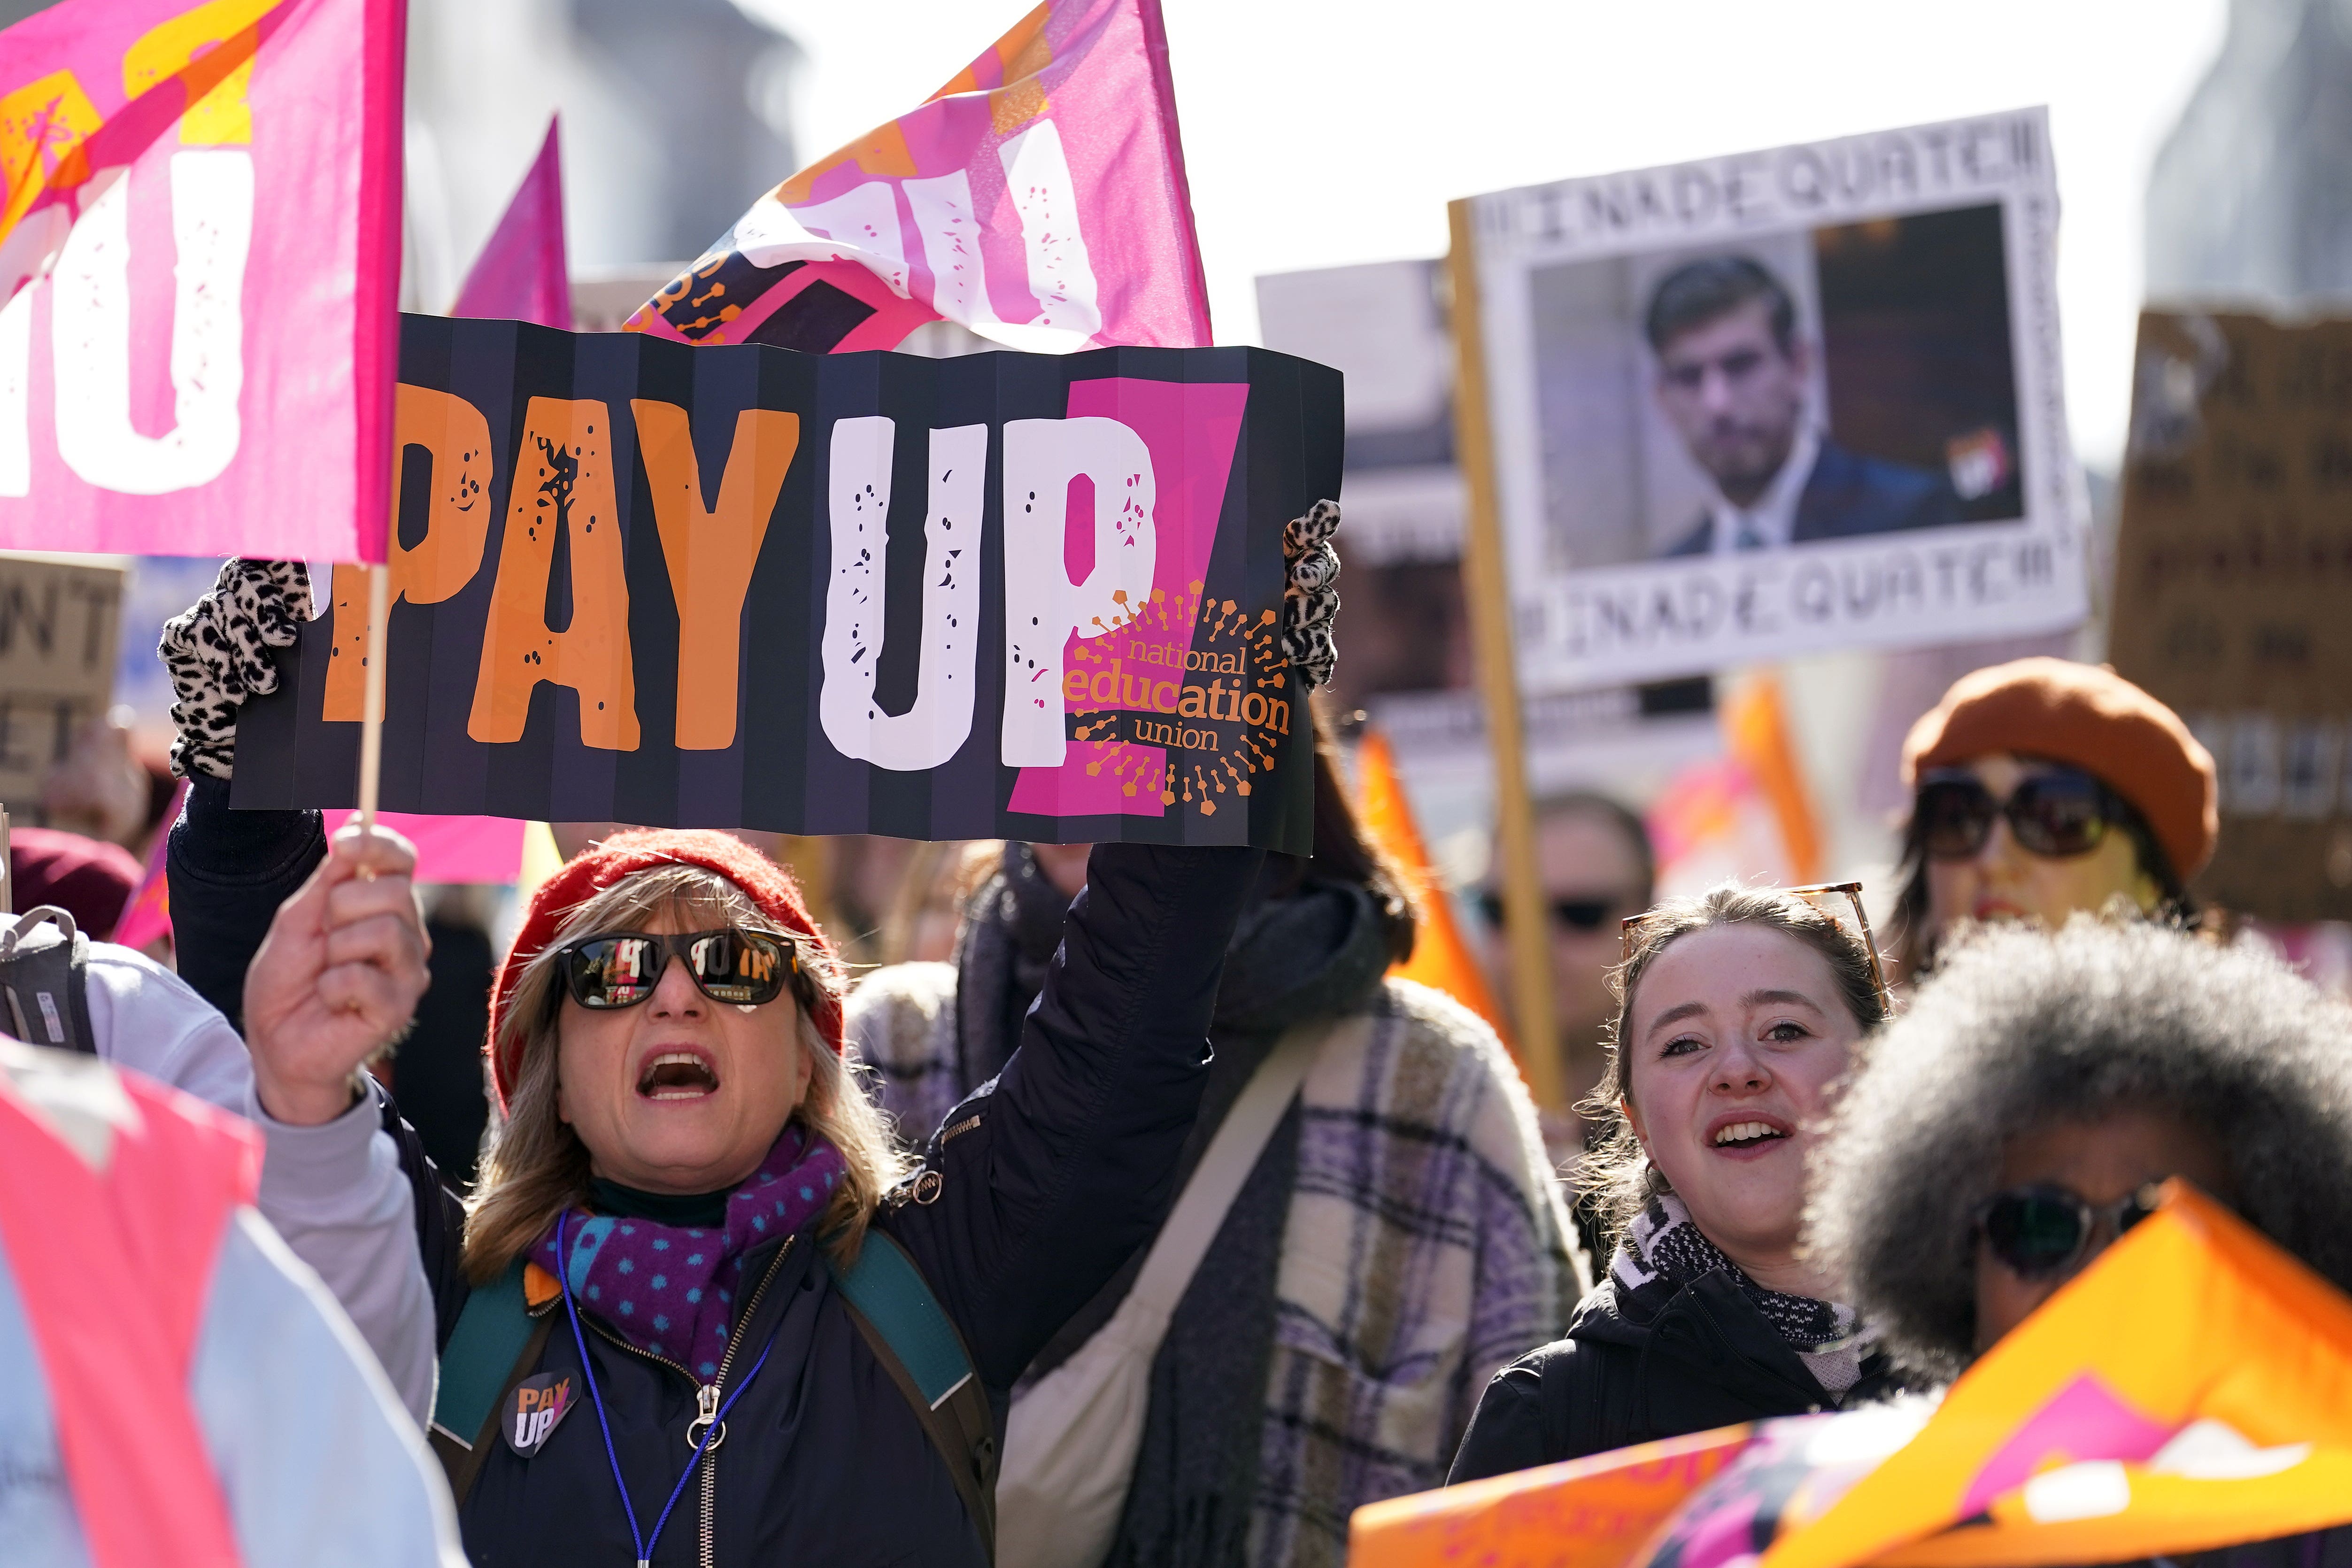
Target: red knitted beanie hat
2087, 715
623, 856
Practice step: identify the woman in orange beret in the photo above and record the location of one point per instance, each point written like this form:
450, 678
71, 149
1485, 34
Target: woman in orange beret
2044, 786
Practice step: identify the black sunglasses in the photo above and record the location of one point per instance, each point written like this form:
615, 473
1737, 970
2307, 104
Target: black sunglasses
735, 965
2042, 1230
1586, 915
2056, 815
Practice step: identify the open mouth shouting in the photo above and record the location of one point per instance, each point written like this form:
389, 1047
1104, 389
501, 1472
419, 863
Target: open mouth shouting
677, 1073
1748, 1133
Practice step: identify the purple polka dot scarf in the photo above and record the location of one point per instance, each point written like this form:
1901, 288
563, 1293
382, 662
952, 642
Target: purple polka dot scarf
671, 1290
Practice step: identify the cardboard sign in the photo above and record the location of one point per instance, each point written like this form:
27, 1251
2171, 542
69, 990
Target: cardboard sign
57, 664
199, 256
1003, 596
1780, 402
2233, 568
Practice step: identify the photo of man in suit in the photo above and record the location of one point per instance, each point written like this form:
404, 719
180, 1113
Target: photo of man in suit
1732, 377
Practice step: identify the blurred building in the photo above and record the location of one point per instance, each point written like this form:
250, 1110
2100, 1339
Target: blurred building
2251, 198
675, 118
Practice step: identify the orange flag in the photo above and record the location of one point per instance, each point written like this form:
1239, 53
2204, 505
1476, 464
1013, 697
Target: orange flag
2191, 1390
1743, 813
1586, 1513
1441, 959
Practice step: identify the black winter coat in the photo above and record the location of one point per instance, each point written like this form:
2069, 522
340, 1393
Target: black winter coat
1707, 1359
1050, 1177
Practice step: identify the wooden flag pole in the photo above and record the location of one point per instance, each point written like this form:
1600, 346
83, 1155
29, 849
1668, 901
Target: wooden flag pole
372, 703
1526, 925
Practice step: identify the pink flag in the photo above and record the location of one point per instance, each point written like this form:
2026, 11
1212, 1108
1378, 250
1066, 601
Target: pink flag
199, 259
1038, 198
521, 274
148, 915
453, 848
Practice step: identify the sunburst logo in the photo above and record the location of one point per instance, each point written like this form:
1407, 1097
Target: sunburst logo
1188, 697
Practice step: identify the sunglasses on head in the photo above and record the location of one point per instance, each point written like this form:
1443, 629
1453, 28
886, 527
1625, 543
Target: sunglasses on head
1629, 931
1585, 915
2042, 1230
734, 964
2059, 814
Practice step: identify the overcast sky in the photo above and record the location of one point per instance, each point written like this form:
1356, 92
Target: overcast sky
1320, 133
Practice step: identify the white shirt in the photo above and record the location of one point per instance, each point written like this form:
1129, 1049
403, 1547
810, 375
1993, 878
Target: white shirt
335, 1192
1772, 521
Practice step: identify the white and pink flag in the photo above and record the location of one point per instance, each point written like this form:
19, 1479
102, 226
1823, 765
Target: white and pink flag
199, 260
1038, 198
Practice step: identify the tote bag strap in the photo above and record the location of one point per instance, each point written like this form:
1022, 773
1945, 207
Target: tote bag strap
1232, 1154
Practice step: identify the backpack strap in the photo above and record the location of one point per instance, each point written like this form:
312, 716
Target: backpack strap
493, 1346
918, 1346
44, 988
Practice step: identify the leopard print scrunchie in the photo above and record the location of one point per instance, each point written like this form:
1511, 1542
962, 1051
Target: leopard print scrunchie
217, 654
1310, 604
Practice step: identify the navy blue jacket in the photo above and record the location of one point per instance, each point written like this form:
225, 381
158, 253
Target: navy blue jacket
1050, 1177
1848, 495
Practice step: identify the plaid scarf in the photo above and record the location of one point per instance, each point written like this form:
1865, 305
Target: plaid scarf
1664, 1251
671, 1290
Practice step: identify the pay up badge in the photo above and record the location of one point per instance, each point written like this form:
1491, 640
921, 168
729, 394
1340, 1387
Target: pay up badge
533, 1410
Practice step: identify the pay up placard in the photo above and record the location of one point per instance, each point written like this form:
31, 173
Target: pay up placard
2232, 564
1779, 402
1004, 595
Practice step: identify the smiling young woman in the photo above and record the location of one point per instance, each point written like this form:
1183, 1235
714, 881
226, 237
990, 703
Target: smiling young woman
1740, 1012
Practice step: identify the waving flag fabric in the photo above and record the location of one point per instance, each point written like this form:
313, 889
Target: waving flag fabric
1038, 198
199, 253
2191, 1390
1441, 958
522, 274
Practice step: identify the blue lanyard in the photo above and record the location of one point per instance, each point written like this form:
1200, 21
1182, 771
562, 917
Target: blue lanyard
644, 1543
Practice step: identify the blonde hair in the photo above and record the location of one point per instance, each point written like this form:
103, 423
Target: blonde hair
537, 1167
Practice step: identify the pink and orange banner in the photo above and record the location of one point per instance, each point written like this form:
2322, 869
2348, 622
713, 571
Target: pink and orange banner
199, 259
1038, 198
2190, 1391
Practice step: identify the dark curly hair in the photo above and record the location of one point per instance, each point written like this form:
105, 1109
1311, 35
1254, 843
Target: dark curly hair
2021, 1029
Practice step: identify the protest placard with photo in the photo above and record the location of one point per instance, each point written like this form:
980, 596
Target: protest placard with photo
1031, 596
1780, 402
2231, 565
1405, 651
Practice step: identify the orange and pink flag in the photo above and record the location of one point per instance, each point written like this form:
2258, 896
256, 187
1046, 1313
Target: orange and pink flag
199, 257
2191, 1390
1038, 198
